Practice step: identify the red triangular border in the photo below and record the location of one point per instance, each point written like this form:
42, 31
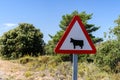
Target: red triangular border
58, 46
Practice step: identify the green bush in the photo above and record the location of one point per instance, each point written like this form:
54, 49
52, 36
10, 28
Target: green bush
23, 40
28, 74
108, 54
26, 59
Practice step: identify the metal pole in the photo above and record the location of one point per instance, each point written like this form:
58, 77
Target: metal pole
75, 66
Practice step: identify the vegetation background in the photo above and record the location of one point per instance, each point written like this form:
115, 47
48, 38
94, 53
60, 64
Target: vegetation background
24, 46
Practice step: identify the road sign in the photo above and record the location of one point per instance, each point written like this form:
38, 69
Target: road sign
75, 39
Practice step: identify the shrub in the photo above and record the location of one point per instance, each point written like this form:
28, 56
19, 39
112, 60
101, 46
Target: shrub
108, 54
23, 40
26, 59
28, 74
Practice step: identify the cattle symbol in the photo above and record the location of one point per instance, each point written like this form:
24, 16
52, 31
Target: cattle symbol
77, 43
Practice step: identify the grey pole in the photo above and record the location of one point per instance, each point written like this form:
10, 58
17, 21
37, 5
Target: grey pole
75, 66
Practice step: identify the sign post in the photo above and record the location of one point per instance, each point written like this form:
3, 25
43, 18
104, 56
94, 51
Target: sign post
75, 66
75, 40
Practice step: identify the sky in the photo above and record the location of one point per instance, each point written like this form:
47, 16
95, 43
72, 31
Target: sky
47, 14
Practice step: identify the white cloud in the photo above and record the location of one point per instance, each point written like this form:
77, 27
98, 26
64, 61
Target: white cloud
9, 24
6, 27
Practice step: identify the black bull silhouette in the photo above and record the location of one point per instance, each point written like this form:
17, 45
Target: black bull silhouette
77, 43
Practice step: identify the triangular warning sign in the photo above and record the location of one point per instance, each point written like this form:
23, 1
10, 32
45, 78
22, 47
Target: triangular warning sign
75, 39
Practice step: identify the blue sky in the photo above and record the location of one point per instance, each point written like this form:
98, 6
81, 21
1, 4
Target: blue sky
47, 14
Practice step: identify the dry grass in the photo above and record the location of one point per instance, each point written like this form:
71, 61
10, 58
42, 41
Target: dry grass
46, 68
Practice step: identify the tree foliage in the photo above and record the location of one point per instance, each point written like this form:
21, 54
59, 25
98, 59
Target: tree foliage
63, 25
116, 29
23, 40
108, 53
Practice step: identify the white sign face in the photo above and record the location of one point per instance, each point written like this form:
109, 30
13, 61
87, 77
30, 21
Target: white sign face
76, 39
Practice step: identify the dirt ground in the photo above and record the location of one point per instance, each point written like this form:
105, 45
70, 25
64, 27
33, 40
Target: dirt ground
9, 70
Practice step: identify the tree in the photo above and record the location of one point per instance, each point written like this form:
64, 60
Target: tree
23, 40
108, 56
116, 29
108, 53
65, 22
